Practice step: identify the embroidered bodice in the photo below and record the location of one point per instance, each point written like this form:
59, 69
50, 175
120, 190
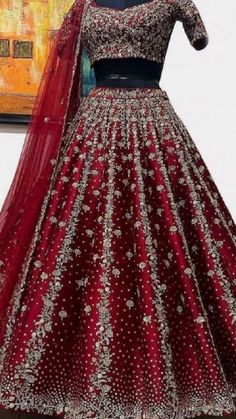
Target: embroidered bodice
143, 30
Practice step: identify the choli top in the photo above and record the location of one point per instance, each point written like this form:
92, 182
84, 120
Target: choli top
142, 30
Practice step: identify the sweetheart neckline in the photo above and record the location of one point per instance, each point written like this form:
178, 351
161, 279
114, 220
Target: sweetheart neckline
147, 3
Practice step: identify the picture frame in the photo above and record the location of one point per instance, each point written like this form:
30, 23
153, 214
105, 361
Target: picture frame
23, 54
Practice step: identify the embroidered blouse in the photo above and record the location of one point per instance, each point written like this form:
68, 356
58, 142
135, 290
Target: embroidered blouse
143, 30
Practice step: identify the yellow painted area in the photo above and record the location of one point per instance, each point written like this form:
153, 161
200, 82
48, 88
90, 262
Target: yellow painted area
26, 20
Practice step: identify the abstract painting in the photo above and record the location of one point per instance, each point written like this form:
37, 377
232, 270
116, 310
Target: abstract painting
27, 30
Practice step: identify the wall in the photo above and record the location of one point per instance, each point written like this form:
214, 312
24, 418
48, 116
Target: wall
11, 142
201, 87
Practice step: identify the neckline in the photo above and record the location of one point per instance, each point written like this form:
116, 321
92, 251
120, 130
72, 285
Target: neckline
135, 6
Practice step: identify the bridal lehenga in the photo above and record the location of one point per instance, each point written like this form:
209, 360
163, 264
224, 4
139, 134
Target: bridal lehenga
118, 253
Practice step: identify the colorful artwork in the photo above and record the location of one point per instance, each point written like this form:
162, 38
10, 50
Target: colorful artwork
27, 29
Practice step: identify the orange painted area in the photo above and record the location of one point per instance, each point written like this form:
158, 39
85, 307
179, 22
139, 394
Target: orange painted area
26, 20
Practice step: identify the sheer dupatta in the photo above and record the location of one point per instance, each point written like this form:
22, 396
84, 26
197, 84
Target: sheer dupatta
58, 98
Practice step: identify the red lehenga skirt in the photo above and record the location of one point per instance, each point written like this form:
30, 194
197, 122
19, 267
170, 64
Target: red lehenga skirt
127, 302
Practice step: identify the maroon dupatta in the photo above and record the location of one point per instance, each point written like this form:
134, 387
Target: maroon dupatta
58, 98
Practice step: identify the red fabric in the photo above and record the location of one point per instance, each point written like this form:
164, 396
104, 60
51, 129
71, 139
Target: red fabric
126, 304
57, 99
122, 313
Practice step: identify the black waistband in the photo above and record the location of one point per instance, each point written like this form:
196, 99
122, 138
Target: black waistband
127, 72
126, 81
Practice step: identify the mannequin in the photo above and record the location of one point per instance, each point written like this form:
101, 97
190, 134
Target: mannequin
118, 72
130, 72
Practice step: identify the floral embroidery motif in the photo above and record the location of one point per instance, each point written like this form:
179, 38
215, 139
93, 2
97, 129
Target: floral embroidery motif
139, 31
118, 295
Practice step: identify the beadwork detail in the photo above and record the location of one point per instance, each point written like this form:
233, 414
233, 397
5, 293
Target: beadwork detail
127, 302
143, 30
125, 306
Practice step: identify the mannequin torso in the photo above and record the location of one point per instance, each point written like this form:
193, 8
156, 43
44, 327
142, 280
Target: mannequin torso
133, 71
119, 4
126, 72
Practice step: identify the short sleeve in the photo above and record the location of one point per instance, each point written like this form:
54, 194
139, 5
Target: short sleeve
188, 13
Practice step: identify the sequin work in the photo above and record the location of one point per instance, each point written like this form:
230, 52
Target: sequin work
127, 302
143, 30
